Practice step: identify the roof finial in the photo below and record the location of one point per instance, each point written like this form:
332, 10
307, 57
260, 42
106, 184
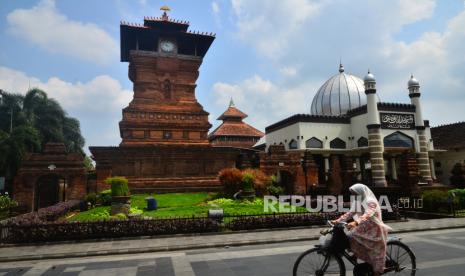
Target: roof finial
341, 67
231, 103
165, 8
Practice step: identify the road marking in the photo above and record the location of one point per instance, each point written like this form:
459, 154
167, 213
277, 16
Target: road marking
182, 267
432, 241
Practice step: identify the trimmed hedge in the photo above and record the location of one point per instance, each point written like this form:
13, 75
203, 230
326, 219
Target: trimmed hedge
281, 220
106, 229
50, 213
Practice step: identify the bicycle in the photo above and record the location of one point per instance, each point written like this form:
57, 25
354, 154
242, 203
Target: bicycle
326, 259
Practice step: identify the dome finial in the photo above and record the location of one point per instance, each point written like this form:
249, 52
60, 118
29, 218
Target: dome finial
413, 82
341, 67
231, 103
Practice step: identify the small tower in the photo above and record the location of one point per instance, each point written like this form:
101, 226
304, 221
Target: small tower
375, 142
233, 132
422, 150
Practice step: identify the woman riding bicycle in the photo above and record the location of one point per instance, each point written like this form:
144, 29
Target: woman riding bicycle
368, 233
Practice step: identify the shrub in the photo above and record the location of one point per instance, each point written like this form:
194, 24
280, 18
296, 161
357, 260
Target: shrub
231, 179
281, 220
119, 185
119, 216
272, 186
104, 197
435, 201
6, 202
107, 229
247, 182
260, 180
50, 213
459, 197
91, 198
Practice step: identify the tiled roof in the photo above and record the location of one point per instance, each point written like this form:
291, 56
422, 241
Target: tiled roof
228, 128
450, 136
232, 112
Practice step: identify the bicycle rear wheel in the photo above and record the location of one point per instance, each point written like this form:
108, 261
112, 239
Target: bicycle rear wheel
400, 260
318, 262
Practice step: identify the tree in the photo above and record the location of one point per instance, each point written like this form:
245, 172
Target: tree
28, 122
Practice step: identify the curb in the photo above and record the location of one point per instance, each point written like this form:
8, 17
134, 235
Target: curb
190, 247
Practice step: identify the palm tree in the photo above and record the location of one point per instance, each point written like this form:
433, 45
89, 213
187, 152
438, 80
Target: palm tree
28, 122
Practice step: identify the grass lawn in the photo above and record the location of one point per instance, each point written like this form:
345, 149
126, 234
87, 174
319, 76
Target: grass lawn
179, 205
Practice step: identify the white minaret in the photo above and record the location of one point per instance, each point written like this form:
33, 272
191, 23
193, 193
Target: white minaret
422, 152
375, 141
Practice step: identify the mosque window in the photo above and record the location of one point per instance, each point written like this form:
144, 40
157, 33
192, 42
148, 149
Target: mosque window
293, 144
362, 142
337, 143
314, 143
398, 140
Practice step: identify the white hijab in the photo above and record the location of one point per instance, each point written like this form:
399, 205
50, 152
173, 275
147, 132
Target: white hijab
366, 195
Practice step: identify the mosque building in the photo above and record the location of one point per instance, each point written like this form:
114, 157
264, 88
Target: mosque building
348, 124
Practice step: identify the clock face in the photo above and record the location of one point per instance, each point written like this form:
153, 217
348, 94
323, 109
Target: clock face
167, 46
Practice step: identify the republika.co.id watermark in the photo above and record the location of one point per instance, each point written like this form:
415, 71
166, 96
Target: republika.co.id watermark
329, 203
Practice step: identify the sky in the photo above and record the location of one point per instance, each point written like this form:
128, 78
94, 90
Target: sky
269, 56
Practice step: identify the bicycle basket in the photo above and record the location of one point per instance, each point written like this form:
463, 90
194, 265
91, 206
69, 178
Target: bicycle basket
325, 240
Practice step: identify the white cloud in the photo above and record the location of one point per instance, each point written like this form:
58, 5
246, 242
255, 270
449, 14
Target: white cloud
264, 101
288, 71
96, 103
215, 7
269, 26
313, 35
45, 26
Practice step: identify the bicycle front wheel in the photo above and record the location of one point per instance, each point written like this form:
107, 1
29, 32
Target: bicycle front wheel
318, 262
400, 260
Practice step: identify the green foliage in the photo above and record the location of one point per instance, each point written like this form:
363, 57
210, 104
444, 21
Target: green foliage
435, 201
104, 197
89, 164
119, 216
247, 182
272, 186
119, 185
91, 198
28, 122
6, 202
135, 210
97, 213
459, 197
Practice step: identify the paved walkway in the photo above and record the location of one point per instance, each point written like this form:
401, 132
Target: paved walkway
183, 242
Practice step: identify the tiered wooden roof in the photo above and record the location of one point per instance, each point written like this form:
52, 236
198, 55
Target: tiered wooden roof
449, 137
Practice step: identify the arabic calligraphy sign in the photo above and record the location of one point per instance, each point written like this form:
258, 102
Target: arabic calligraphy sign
397, 121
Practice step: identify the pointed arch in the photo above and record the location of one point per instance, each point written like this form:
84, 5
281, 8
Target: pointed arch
398, 140
337, 143
314, 143
362, 142
293, 144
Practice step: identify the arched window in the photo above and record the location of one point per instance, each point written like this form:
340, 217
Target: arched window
314, 143
398, 140
293, 144
362, 142
337, 143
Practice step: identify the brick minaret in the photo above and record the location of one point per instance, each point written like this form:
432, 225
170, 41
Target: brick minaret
164, 60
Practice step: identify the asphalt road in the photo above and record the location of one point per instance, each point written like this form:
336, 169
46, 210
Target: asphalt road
438, 253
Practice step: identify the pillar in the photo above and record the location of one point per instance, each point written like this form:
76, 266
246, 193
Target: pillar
422, 151
375, 141
433, 169
326, 157
393, 168
358, 168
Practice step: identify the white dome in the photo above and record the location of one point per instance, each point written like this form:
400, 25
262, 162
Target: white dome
342, 92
